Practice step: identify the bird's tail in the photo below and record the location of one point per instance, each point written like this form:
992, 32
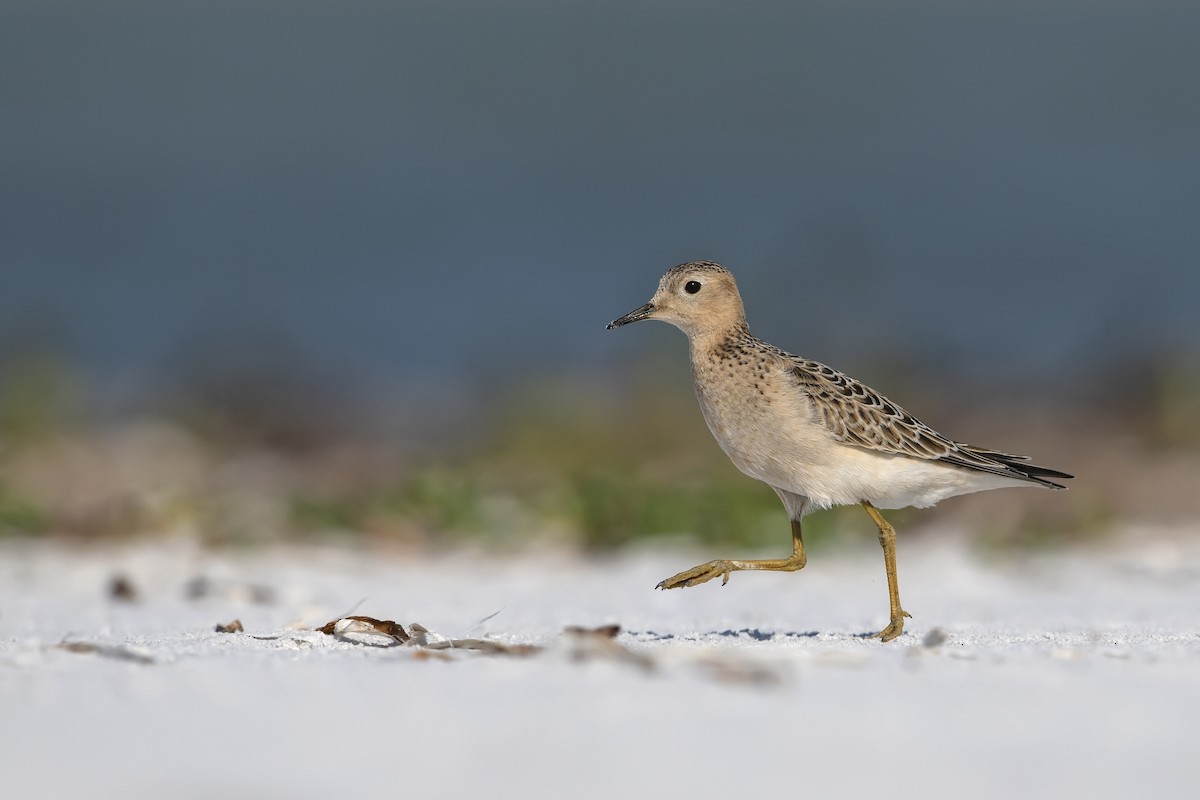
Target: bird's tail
1021, 466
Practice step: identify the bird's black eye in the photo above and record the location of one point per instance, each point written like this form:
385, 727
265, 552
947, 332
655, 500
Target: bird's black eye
691, 287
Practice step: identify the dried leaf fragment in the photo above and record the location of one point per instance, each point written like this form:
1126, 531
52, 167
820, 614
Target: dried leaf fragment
600, 644
365, 626
117, 652
428, 640
740, 671
423, 637
121, 589
485, 646
604, 631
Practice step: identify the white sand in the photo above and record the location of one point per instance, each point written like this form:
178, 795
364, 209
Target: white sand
1069, 675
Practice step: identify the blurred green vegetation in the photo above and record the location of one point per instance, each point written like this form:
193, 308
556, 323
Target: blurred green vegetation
19, 516
40, 398
1174, 401
1083, 519
551, 462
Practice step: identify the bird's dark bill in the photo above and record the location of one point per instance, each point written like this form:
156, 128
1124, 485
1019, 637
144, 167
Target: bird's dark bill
633, 316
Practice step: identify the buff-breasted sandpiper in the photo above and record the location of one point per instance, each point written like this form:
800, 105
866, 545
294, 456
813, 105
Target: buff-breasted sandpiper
817, 437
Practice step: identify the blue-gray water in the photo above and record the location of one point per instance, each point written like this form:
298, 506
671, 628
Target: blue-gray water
404, 191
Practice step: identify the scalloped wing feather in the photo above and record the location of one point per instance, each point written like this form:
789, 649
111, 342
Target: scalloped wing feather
856, 414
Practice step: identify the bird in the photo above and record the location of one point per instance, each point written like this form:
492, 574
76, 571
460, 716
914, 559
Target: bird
816, 436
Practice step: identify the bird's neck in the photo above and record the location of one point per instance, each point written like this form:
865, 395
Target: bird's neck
717, 341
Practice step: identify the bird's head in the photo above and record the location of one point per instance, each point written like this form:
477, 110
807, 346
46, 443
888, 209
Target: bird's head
697, 297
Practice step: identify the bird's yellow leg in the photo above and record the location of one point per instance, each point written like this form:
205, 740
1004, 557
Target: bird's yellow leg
722, 567
887, 538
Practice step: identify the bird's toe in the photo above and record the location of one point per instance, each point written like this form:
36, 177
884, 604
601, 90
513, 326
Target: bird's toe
698, 575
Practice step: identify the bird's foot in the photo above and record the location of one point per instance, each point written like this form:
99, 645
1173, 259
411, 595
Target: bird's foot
895, 628
698, 575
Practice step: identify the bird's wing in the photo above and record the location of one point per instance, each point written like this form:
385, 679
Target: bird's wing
856, 414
